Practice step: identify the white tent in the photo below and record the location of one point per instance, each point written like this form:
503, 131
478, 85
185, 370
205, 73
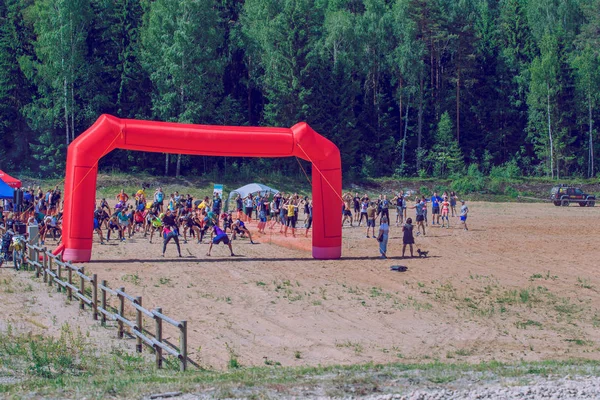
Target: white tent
251, 188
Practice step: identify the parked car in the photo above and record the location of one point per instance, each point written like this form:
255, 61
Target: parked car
563, 195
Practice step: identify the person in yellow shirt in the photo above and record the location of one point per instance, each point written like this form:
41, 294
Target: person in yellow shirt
140, 197
292, 216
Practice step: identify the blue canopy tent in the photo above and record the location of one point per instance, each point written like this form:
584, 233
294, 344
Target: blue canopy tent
6, 192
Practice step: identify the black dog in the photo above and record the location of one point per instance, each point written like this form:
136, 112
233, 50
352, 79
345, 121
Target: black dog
422, 253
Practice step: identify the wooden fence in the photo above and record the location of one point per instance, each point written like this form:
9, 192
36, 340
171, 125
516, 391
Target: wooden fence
73, 281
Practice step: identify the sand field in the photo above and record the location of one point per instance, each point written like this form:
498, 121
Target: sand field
522, 283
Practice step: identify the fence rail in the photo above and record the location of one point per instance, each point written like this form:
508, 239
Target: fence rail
53, 269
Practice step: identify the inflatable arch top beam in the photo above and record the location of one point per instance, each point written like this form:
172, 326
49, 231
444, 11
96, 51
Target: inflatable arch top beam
109, 133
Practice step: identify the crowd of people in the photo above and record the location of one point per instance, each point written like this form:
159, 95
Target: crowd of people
356, 208
170, 217
177, 215
41, 208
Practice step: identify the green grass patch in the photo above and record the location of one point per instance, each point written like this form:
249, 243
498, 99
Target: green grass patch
70, 367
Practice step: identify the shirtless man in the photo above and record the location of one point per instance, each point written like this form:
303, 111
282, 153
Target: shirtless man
347, 212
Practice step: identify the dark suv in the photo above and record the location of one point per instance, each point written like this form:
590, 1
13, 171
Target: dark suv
563, 195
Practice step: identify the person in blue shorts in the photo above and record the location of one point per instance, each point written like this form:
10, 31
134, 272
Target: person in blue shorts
435, 208
220, 237
464, 211
98, 223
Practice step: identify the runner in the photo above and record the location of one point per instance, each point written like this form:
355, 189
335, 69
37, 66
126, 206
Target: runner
220, 237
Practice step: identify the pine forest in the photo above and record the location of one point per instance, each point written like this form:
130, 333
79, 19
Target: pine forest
428, 88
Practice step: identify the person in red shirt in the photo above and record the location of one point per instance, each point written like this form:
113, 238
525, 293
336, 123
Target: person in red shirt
139, 218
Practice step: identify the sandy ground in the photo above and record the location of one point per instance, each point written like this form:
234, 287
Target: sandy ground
522, 283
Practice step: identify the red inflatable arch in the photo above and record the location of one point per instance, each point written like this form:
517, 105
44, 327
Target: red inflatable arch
109, 133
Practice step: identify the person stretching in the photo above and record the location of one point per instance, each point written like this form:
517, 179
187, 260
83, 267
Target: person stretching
238, 227
169, 234
220, 237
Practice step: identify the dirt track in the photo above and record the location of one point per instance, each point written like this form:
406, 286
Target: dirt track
522, 283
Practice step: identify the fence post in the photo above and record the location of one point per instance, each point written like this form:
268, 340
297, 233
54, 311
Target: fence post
58, 274
45, 261
36, 259
45, 272
158, 337
121, 311
103, 295
138, 323
82, 288
95, 296
70, 280
183, 346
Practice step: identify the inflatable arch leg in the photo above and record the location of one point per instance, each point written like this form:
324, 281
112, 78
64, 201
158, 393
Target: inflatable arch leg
109, 133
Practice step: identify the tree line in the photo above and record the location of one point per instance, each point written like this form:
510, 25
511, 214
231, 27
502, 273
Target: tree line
403, 87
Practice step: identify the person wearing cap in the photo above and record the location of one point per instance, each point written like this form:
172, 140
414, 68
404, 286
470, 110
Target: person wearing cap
464, 211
